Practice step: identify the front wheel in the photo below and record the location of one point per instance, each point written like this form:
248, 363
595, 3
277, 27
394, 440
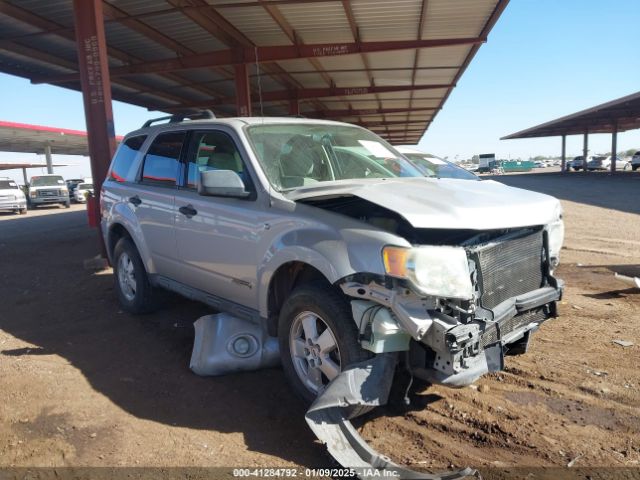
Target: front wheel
318, 339
135, 293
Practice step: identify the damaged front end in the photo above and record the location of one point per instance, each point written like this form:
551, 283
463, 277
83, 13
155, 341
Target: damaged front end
448, 340
508, 291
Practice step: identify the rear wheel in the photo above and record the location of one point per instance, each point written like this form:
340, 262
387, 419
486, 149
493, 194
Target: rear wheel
23, 211
135, 293
318, 339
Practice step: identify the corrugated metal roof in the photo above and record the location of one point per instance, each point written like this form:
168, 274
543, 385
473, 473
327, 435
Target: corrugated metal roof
383, 86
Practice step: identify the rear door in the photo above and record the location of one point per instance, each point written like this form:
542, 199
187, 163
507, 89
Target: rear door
154, 199
217, 237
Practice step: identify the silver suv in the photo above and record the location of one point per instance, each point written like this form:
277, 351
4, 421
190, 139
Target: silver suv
324, 236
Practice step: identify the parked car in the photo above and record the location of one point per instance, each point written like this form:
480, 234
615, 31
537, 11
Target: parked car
603, 162
71, 186
578, 163
635, 161
47, 190
11, 197
433, 166
324, 236
539, 164
81, 191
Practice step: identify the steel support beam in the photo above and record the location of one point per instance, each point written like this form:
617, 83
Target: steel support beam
24, 176
585, 149
304, 93
96, 93
47, 156
294, 107
614, 146
363, 112
239, 55
243, 92
563, 164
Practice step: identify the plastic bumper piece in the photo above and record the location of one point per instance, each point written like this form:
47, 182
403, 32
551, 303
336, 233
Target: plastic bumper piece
364, 384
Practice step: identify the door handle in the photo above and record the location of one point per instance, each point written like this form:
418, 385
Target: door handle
188, 211
135, 200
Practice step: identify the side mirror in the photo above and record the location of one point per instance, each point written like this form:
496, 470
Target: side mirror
221, 183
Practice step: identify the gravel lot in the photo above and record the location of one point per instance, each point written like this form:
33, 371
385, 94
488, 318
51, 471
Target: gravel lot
84, 384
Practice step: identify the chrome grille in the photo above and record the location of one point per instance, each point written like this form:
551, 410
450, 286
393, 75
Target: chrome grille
50, 192
509, 268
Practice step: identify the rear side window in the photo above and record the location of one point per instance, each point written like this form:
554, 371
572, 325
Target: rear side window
123, 161
162, 161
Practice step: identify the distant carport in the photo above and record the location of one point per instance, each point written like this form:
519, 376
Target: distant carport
39, 139
612, 117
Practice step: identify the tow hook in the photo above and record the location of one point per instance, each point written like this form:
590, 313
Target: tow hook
366, 383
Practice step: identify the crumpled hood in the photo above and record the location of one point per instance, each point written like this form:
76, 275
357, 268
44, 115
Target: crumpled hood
445, 203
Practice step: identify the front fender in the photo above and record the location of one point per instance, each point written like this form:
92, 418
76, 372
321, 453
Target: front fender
335, 253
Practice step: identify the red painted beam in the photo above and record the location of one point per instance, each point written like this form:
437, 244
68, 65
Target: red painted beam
269, 54
243, 91
383, 123
363, 112
305, 93
93, 63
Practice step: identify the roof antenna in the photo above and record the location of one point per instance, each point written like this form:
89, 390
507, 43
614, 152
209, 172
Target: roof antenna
255, 49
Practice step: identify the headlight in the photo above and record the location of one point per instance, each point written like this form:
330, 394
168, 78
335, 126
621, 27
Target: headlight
32, 193
440, 271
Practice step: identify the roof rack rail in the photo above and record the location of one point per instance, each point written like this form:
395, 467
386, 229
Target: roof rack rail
180, 117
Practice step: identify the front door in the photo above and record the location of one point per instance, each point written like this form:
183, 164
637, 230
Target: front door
217, 236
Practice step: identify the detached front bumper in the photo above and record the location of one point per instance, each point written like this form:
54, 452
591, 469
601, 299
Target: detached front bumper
470, 350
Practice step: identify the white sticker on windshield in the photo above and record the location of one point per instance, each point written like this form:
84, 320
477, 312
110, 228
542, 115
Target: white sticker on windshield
376, 149
435, 161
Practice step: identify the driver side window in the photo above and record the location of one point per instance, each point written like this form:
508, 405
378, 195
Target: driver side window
213, 150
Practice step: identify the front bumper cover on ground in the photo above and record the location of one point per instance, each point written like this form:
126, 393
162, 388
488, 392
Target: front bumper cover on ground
364, 384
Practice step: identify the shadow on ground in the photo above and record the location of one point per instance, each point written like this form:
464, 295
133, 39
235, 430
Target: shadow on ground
599, 189
139, 363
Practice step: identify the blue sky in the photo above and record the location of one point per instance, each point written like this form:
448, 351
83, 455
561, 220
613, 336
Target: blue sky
544, 59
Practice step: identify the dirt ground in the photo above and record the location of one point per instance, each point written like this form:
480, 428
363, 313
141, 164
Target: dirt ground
84, 384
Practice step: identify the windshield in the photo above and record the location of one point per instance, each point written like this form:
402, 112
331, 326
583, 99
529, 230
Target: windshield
436, 167
599, 159
7, 184
85, 186
52, 181
295, 155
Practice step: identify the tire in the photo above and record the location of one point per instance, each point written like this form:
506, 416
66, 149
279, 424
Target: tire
67, 204
23, 211
332, 312
135, 293
634, 167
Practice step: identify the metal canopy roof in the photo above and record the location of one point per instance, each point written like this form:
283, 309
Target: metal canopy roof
388, 66
25, 138
15, 166
617, 115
